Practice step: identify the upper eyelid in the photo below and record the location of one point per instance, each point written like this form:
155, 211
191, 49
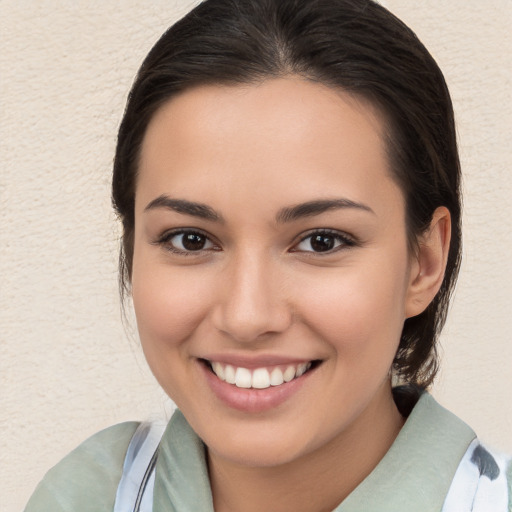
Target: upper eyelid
328, 231
169, 233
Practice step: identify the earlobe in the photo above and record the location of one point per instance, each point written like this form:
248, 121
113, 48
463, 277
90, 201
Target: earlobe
427, 271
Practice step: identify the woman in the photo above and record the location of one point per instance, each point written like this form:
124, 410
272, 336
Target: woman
288, 182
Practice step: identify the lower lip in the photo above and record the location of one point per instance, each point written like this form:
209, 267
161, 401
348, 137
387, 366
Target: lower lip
253, 400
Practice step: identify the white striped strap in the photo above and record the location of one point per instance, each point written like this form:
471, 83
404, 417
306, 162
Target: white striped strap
135, 490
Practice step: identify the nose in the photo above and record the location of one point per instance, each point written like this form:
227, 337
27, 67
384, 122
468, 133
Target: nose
251, 300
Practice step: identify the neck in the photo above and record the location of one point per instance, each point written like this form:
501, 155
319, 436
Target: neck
331, 472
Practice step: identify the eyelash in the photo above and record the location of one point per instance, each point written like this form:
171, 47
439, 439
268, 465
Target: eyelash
165, 241
342, 240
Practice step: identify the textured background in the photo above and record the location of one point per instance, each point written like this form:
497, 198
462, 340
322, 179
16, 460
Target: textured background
67, 365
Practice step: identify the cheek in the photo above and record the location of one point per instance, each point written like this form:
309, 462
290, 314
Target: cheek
169, 307
358, 311
168, 304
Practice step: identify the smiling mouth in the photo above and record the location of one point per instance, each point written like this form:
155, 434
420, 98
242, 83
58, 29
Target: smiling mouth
259, 378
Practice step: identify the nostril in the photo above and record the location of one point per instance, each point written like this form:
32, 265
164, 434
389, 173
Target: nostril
251, 324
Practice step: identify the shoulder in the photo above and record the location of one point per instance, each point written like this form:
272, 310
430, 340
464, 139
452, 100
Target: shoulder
481, 482
87, 478
475, 477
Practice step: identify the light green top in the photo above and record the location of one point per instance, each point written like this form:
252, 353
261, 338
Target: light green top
415, 474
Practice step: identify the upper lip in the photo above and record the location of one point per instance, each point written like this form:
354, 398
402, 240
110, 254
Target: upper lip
255, 361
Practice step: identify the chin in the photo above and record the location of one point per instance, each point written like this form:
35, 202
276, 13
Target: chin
260, 453
264, 443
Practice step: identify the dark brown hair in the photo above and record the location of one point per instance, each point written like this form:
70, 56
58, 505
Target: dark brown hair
355, 45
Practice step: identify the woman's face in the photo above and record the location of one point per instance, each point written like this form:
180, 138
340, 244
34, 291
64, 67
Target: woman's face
270, 240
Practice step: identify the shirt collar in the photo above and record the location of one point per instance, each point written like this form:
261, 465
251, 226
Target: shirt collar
181, 482
416, 472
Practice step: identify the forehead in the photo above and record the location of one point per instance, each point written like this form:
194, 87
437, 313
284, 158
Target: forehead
295, 136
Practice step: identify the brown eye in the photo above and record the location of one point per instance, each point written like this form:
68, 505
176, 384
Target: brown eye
323, 241
193, 241
185, 242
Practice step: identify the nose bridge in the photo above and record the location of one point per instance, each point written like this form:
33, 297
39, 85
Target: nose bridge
252, 302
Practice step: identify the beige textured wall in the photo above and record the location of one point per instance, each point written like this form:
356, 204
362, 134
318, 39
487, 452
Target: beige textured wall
67, 366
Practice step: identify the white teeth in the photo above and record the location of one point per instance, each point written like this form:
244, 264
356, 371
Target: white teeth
229, 374
301, 369
218, 370
276, 377
289, 373
260, 378
243, 378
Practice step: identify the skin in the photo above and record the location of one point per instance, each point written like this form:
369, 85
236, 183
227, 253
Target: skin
258, 287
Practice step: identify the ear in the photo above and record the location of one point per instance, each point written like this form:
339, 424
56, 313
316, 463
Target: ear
429, 263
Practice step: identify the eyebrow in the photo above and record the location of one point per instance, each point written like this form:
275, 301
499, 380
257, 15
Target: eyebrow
191, 208
311, 208
287, 214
